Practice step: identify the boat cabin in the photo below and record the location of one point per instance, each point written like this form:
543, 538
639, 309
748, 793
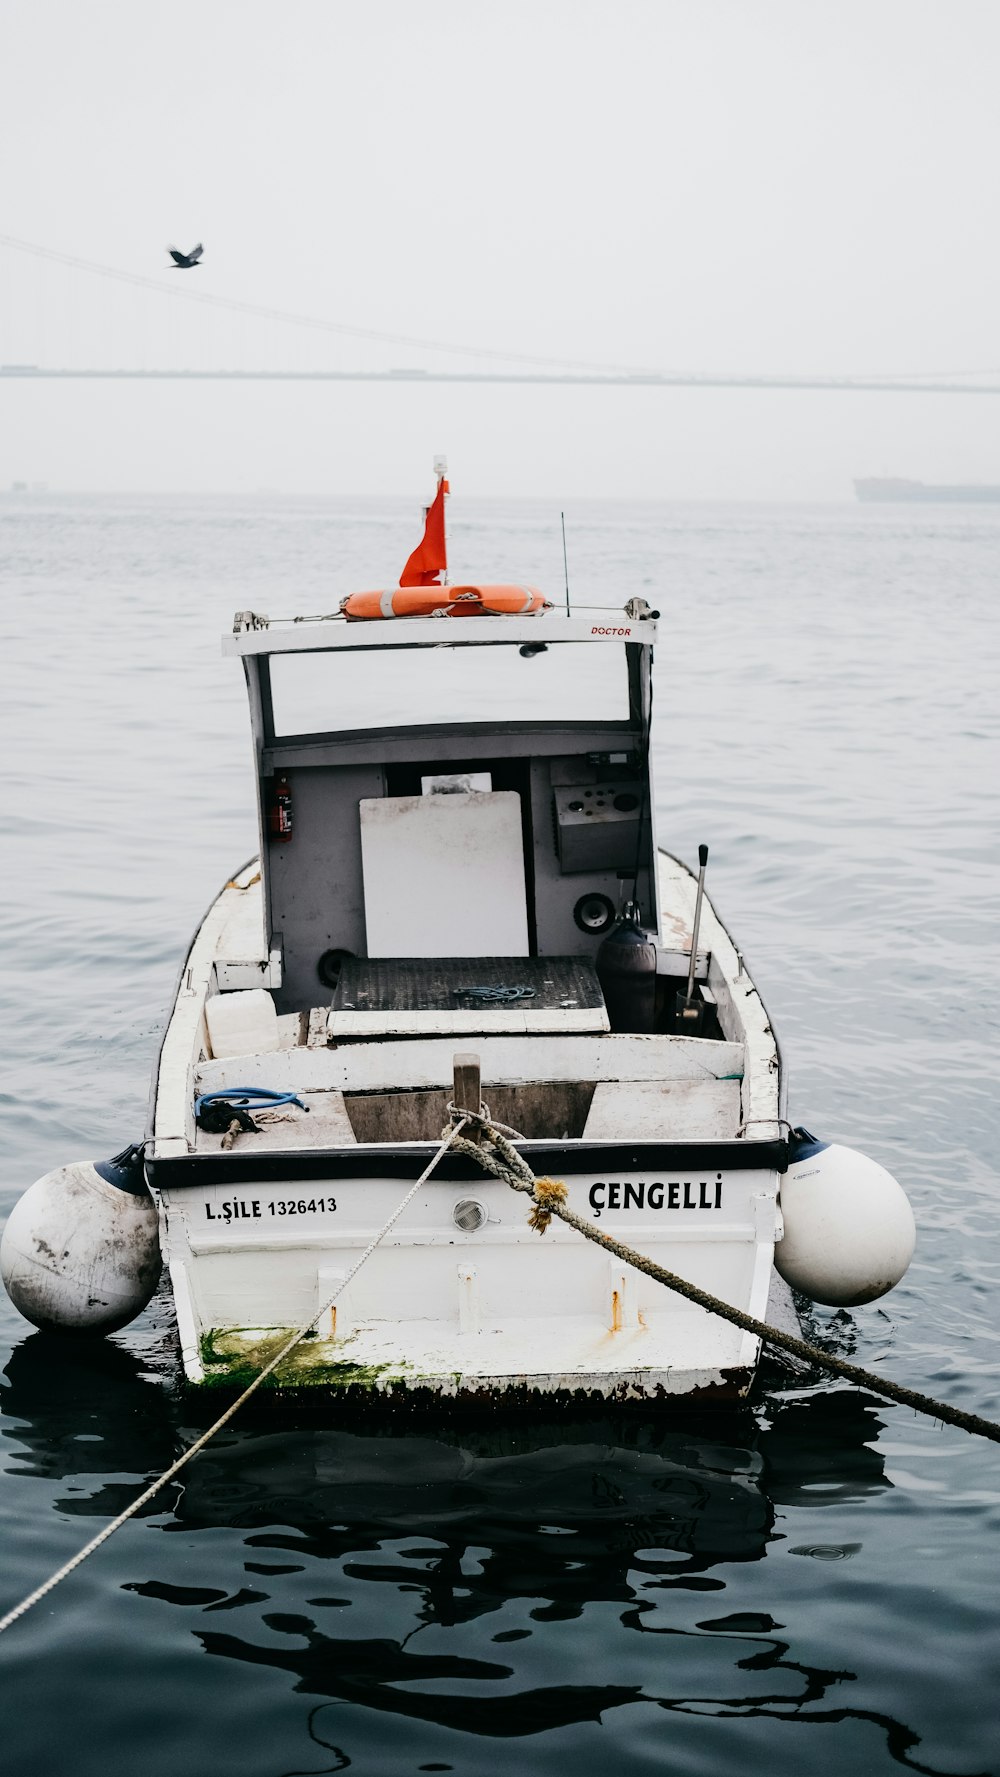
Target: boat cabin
453, 814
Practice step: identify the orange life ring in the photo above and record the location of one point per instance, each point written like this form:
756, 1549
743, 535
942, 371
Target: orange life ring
449, 601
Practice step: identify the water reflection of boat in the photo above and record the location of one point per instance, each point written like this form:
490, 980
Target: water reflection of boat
608, 1493
437, 1587
616, 1524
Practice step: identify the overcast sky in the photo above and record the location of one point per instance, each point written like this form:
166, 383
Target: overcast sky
694, 185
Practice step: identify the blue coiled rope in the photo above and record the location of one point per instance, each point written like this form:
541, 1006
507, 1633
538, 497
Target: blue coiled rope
245, 1095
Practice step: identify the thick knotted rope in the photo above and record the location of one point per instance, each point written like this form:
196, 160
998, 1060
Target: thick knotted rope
495, 1154
549, 1194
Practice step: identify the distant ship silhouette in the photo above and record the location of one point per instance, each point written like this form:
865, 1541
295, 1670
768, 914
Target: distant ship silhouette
888, 488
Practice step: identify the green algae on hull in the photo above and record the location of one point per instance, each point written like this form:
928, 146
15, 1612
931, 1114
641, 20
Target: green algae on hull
231, 1360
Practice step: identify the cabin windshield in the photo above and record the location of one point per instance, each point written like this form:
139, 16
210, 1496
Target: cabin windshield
337, 691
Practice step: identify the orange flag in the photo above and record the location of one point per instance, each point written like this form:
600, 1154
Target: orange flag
429, 560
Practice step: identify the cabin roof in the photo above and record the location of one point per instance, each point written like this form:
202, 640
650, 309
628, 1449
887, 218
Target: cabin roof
254, 633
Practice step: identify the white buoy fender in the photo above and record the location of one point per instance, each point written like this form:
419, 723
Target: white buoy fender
849, 1229
80, 1252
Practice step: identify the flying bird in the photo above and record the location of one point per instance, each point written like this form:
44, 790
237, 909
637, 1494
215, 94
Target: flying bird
184, 261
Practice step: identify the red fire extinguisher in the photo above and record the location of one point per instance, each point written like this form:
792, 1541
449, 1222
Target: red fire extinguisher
280, 820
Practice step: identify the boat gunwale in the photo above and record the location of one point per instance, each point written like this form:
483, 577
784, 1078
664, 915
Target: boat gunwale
782, 1116
406, 1160
149, 1133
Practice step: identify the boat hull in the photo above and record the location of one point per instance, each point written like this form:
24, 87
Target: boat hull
502, 1313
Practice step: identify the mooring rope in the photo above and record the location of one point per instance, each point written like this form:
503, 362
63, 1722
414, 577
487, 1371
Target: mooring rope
495, 1154
449, 1140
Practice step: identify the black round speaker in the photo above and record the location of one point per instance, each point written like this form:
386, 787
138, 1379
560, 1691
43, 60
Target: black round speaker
330, 964
594, 913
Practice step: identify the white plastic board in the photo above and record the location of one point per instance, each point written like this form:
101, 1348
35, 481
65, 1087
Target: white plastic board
444, 875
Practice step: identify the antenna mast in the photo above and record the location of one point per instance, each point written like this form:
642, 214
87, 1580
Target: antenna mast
441, 471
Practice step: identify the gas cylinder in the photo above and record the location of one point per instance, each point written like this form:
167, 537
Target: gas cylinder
626, 970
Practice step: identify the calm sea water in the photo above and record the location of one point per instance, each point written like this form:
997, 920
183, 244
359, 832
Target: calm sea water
813, 1587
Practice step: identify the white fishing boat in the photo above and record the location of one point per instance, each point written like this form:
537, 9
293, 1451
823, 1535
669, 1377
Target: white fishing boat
460, 901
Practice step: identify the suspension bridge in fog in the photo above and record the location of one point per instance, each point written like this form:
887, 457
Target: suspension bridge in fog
578, 378
47, 319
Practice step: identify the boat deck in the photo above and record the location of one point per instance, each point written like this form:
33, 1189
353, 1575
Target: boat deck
597, 1088
588, 1111
402, 996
